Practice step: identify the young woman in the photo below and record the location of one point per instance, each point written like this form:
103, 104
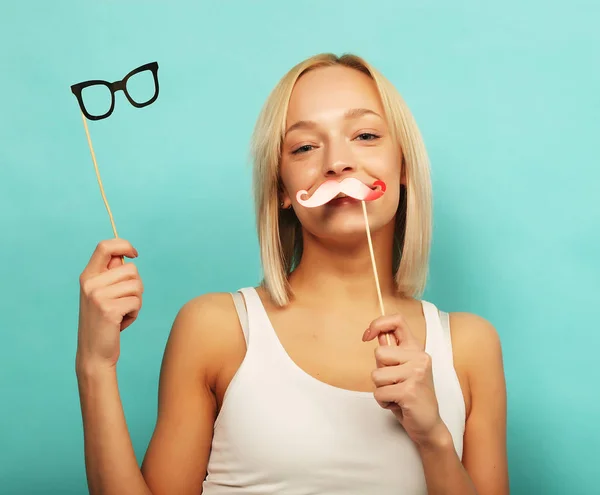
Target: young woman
293, 389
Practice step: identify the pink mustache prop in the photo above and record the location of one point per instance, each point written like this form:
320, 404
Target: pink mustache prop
350, 187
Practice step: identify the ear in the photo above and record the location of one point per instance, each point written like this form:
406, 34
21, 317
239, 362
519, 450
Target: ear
284, 198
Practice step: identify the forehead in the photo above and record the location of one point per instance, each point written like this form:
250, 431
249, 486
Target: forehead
330, 91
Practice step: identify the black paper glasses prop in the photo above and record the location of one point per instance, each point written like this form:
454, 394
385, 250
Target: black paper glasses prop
128, 86
136, 100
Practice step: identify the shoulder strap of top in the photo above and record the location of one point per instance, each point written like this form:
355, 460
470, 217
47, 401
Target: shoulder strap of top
438, 330
240, 307
445, 321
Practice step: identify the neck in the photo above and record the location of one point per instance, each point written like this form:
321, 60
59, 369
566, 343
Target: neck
332, 273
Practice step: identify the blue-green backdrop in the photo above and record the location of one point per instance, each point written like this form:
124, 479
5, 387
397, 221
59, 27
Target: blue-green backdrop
506, 95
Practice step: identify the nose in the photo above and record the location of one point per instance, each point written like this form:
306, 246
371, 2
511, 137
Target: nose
338, 168
338, 160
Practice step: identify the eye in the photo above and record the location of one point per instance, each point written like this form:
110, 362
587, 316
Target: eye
302, 149
367, 136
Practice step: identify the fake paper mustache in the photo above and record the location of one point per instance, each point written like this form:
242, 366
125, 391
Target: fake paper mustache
350, 187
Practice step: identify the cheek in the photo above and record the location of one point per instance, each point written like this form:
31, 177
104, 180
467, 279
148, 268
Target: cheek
287, 179
296, 176
392, 163
393, 198
383, 162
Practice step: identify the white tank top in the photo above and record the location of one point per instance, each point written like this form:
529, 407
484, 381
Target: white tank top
282, 431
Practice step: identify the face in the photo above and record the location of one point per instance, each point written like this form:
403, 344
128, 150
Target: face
335, 129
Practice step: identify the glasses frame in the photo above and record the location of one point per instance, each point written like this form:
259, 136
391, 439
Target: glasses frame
115, 86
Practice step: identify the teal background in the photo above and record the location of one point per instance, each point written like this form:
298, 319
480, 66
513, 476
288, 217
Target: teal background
506, 95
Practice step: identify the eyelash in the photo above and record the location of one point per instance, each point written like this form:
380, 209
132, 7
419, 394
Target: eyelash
297, 151
372, 137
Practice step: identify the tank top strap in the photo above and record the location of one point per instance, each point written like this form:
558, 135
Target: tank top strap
437, 343
259, 333
240, 307
445, 321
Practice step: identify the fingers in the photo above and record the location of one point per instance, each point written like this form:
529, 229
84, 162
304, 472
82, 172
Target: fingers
387, 395
105, 251
128, 319
115, 261
122, 289
397, 327
387, 338
129, 306
114, 299
390, 375
393, 356
124, 272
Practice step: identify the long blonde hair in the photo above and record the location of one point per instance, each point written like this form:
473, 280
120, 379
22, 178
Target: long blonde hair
279, 230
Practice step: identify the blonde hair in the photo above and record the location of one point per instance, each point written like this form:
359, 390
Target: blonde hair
279, 231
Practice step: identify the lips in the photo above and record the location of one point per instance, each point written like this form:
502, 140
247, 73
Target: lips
341, 199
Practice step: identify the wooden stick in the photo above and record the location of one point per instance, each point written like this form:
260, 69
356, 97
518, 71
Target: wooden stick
89, 140
364, 206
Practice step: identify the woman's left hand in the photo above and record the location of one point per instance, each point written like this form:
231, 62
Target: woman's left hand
404, 380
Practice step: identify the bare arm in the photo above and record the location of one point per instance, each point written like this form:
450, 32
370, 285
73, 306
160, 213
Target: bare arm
444, 473
202, 335
483, 470
110, 460
485, 453
176, 459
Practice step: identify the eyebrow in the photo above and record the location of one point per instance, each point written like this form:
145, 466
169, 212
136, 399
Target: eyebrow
353, 113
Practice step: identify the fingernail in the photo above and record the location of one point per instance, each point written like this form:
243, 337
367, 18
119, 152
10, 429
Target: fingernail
366, 335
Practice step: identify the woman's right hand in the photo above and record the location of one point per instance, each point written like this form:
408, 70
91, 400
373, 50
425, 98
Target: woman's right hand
110, 300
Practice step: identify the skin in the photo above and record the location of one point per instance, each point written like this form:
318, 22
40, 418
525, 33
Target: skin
328, 137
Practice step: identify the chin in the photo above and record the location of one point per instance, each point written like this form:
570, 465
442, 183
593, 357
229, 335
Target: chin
350, 228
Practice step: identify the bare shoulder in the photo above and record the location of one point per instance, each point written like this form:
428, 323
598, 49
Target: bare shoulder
477, 350
206, 328
471, 332
213, 307
209, 304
